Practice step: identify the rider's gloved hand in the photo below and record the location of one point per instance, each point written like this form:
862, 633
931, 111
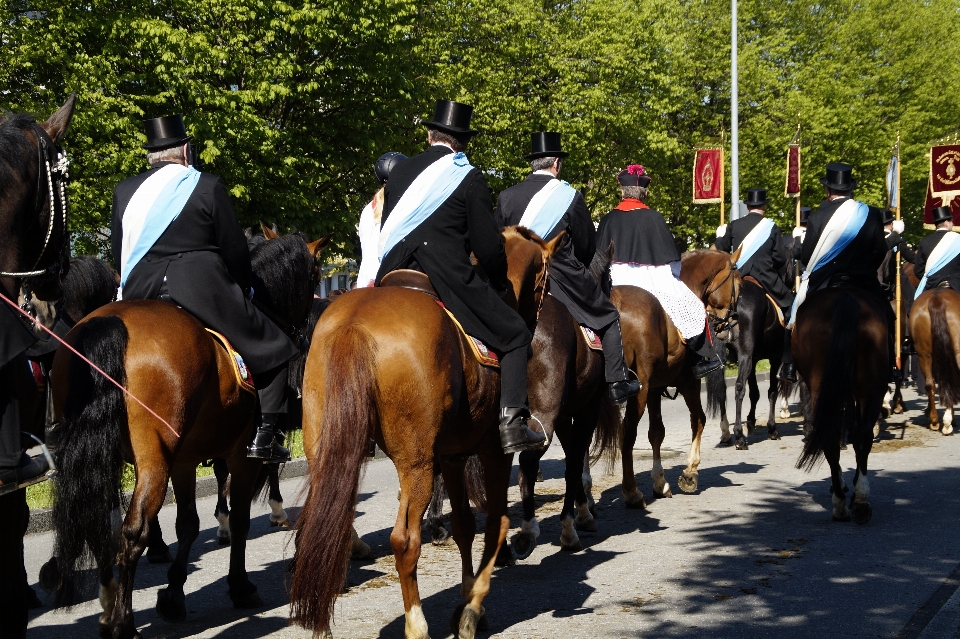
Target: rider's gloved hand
799, 232
898, 227
721, 230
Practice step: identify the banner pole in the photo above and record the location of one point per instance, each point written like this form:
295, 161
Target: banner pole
796, 263
898, 329
723, 188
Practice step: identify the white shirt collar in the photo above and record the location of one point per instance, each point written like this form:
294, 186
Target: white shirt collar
758, 211
544, 172
443, 144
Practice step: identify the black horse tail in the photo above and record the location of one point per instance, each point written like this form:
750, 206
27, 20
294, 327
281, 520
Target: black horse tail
834, 406
608, 435
349, 416
945, 370
90, 465
473, 479
717, 389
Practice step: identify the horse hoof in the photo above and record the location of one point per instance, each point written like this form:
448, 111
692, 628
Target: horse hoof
666, 493
773, 435
688, 483
725, 442
440, 537
947, 430
160, 557
50, 576
465, 622
523, 544
324, 634
245, 596
898, 409
741, 445
862, 513
505, 557
574, 547
593, 511
170, 607
223, 540
585, 526
634, 501
751, 426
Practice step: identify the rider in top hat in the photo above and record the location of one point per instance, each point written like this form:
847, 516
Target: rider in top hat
548, 206
646, 255
370, 219
432, 226
938, 256
887, 273
762, 255
176, 238
852, 249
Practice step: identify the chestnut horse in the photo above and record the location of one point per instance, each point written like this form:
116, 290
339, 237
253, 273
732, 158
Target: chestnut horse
34, 248
840, 349
655, 352
167, 360
935, 330
389, 363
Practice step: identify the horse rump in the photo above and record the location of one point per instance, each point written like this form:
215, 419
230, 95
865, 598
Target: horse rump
323, 529
90, 465
944, 358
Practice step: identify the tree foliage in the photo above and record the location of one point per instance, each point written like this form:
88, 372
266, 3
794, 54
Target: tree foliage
292, 102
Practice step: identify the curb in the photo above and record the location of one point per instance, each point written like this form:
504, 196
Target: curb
42, 520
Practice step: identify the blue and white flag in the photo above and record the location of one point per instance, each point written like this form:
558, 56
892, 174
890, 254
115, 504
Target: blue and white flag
424, 196
754, 240
153, 207
946, 250
844, 225
546, 208
893, 181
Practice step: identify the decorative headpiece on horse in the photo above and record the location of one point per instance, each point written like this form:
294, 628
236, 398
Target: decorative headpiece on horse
164, 133
634, 175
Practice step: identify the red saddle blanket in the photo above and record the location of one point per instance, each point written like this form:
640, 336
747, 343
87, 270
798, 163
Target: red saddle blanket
591, 337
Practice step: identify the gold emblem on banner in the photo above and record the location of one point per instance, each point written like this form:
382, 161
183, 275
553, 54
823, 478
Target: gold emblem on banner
950, 158
706, 177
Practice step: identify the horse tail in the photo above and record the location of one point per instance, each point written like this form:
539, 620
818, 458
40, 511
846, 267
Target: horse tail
945, 370
717, 390
473, 478
608, 435
90, 465
833, 407
324, 526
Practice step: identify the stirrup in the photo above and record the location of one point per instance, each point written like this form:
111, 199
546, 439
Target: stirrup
50, 473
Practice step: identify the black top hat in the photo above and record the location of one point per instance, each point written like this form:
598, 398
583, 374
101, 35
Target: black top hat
545, 144
839, 177
163, 133
452, 117
634, 175
804, 215
942, 214
756, 197
887, 216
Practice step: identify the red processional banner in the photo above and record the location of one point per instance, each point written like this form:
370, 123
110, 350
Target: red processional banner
933, 202
792, 188
945, 172
707, 176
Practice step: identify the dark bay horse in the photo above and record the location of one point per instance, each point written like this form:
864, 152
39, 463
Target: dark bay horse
655, 352
840, 348
34, 249
568, 397
758, 335
167, 360
935, 330
389, 363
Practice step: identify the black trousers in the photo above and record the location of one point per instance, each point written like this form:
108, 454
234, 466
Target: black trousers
272, 389
615, 368
513, 377
10, 413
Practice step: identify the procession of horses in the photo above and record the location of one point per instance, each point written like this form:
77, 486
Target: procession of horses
148, 381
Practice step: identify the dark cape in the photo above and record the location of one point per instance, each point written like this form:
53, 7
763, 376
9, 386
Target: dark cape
441, 245
949, 273
204, 258
570, 281
640, 235
767, 264
858, 262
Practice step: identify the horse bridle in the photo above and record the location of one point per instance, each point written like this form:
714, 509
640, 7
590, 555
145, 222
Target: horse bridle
57, 174
730, 317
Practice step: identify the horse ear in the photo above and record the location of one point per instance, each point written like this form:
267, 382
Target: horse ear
735, 257
57, 124
319, 245
268, 233
554, 244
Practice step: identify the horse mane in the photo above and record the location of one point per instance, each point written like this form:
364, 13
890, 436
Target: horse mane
282, 279
600, 267
89, 284
512, 232
16, 150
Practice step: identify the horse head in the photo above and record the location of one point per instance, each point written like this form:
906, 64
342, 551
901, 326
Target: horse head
528, 264
714, 278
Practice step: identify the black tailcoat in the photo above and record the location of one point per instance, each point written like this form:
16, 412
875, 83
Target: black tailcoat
441, 247
861, 258
641, 235
767, 263
203, 255
15, 338
570, 281
949, 273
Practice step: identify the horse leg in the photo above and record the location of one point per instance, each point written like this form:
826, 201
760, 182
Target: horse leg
171, 601
632, 497
438, 533
947, 421
656, 433
898, 399
157, 550
862, 440
573, 485
726, 438
754, 399
13, 606
587, 480
690, 477
926, 369
743, 367
415, 492
525, 541
222, 510
583, 426
278, 516
772, 393
243, 478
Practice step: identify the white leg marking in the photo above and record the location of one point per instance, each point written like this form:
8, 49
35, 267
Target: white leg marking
531, 527
784, 408
660, 484
568, 537
840, 507
223, 532
585, 518
279, 516
416, 626
887, 398
947, 421
724, 429
861, 493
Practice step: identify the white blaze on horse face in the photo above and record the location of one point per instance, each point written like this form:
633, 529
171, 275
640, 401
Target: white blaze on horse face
861, 493
416, 624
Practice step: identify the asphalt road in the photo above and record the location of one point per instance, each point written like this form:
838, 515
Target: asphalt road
753, 553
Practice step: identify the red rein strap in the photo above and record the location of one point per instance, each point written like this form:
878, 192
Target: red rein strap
92, 365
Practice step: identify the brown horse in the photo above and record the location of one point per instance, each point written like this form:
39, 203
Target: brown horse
840, 348
931, 318
389, 363
167, 360
655, 351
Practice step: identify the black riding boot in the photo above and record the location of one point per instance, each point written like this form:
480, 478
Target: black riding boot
707, 347
788, 372
268, 437
515, 435
17, 469
615, 369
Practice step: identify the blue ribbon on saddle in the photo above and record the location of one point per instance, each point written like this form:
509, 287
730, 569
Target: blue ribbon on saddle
948, 248
545, 217
756, 238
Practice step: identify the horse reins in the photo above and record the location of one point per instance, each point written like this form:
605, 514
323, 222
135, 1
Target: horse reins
723, 321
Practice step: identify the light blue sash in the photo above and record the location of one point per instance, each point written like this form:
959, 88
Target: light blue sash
947, 249
543, 214
754, 240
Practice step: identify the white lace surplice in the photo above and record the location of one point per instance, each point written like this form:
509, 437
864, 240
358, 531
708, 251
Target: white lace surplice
663, 282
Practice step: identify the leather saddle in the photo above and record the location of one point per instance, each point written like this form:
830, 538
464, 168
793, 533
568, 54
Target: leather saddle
408, 278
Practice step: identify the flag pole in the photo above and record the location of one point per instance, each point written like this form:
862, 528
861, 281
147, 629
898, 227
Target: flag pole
898, 330
723, 184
